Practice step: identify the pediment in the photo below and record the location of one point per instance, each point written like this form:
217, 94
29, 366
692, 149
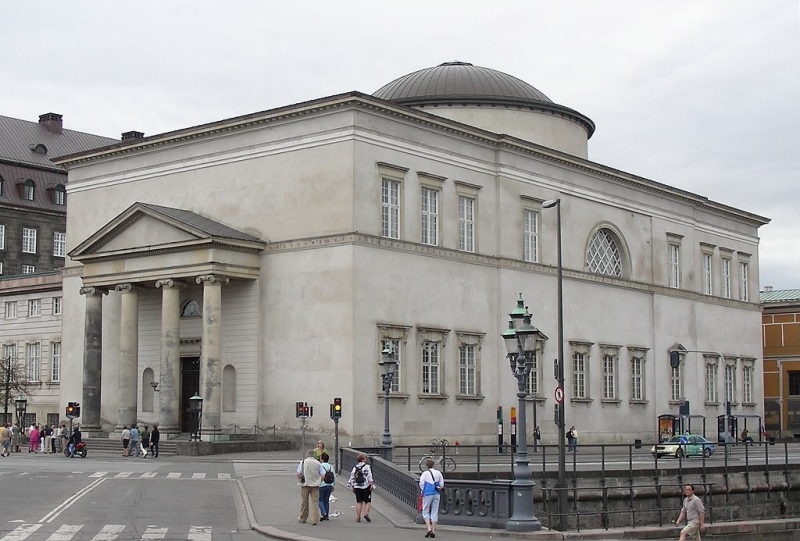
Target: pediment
146, 228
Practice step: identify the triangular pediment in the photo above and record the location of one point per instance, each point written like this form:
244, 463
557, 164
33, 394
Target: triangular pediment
146, 228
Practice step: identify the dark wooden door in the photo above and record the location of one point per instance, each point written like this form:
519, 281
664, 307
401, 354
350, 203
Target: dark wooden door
190, 385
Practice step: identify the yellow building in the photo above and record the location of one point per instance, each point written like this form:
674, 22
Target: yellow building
781, 337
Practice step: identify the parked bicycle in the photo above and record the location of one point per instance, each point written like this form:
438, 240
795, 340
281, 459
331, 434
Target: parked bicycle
442, 462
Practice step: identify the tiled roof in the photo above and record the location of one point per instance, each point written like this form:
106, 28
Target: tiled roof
782, 295
206, 225
42, 199
17, 137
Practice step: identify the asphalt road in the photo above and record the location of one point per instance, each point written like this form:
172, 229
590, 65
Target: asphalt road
53, 498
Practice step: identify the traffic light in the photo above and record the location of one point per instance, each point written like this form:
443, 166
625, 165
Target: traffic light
675, 358
77, 409
337, 408
306, 410
299, 410
73, 410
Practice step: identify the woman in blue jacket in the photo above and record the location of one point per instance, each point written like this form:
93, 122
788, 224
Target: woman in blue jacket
431, 483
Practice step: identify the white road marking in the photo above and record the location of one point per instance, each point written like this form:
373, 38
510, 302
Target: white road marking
99, 474
199, 533
65, 533
173, 475
109, 532
154, 533
224, 476
69, 501
149, 475
123, 474
21, 532
198, 476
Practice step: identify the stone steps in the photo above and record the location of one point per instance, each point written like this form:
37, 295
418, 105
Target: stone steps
165, 447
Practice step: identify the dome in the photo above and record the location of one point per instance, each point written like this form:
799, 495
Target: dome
461, 83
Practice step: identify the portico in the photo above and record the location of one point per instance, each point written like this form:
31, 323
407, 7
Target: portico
149, 247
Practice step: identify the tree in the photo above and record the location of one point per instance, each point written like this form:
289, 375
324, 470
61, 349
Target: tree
13, 381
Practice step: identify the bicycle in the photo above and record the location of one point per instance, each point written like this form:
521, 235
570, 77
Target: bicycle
444, 462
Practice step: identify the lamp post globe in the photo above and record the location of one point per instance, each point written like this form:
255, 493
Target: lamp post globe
389, 365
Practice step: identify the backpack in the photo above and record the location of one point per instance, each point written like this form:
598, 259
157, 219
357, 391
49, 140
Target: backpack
329, 476
359, 477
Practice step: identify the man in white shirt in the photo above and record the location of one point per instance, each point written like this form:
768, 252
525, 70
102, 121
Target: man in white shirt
310, 473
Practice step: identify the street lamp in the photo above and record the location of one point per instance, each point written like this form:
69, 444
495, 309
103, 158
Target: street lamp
561, 485
520, 339
389, 365
196, 411
22, 406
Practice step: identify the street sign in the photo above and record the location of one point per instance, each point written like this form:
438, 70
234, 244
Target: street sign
559, 394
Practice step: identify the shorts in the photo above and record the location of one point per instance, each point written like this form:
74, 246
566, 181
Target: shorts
363, 495
692, 529
125, 443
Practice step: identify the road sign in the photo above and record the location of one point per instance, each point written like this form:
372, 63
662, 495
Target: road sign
559, 394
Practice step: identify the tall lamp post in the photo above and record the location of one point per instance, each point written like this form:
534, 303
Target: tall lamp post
22, 406
561, 485
520, 339
196, 411
389, 365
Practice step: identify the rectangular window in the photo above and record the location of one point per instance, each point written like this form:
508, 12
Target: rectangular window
34, 307
674, 265
532, 383
430, 367
730, 383
59, 244
466, 224
1, 267
2, 237
726, 277
28, 240
59, 197
56, 306
530, 236
609, 377
467, 370
677, 383
747, 384
55, 366
34, 361
637, 378
390, 209
11, 310
28, 190
711, 382
579, 375
708, 282
10, 352
430, 216
394, 343
28, 269
744, 290
794, 382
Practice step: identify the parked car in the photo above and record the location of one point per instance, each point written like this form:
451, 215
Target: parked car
683, 446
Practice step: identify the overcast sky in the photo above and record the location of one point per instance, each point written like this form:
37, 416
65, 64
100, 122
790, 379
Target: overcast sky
702, 95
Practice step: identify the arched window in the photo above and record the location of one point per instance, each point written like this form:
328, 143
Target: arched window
229, 388
190, 308
60, 195
603, 255
28, 190
148, 393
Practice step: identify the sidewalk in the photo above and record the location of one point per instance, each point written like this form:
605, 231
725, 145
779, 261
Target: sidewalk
272, 502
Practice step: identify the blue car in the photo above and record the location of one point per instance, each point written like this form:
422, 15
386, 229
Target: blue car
684, 446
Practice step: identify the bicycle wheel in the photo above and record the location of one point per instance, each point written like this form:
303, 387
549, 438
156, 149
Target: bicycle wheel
422, 466
449, 465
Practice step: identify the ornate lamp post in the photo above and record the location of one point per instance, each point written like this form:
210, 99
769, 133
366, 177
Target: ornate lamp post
22, 406
561, 484
520, 339
196, 411
389, 365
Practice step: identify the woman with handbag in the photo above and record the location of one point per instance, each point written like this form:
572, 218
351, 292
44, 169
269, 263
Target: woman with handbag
431, 484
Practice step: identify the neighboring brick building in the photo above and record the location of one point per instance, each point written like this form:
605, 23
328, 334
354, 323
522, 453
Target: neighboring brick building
33, 212
781, 336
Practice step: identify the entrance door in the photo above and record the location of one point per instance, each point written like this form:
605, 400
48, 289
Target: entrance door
190, 386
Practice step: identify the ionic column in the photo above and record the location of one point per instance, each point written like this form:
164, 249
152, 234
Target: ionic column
92, 359
127, 412
210, 370
169, 398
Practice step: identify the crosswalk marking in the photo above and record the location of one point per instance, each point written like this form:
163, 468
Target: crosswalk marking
199, 533
224, 476
124, 474
174, 475
149, 475
198, 476
154, 533
66, 532
99, 474
21, 532
109, 532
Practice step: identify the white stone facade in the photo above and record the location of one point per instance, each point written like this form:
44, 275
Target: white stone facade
303, 314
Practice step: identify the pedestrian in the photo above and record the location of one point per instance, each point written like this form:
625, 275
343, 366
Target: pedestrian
326, 487
133, 446
362, 484
33, 444
310, 473
5, 440
694, 512
74, 440
746, 438
572, 439
537, 437
46, 436
126, 440
319, 449
53, 439
63, 436
15, 438
155, 437
144, 437
431, 483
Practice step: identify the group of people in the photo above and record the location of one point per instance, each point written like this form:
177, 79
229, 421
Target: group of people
317, 479
47, 439
137, 442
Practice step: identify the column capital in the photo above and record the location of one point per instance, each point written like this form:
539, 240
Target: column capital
127, 288
207, 279
93, 291
168, 283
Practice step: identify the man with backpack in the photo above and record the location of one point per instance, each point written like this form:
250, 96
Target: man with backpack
361, 483
326, 488
309, 473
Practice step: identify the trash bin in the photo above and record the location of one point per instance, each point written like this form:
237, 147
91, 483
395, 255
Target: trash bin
637, 443
772, 440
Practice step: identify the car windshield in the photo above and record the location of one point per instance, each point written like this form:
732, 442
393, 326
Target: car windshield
676, 439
